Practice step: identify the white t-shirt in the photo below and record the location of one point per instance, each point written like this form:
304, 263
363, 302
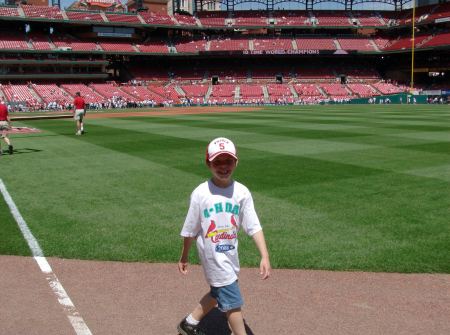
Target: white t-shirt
215, 216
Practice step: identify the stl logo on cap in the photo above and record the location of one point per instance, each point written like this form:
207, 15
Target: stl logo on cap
219, 146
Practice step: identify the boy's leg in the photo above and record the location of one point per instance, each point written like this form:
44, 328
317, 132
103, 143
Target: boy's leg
236, 321
206, 304
189, 325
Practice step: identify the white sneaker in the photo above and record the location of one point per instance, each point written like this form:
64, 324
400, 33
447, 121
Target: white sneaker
78, 133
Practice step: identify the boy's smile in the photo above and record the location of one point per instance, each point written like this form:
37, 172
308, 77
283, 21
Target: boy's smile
222, 168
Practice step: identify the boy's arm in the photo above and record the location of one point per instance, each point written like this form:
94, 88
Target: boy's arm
183, 262
264, 266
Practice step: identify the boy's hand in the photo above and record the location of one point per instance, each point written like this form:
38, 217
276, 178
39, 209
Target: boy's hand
265, 268
182, 267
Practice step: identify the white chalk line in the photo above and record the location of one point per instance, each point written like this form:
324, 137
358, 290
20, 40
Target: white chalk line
64, 300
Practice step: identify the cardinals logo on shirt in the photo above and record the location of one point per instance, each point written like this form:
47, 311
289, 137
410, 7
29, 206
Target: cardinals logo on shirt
228, 233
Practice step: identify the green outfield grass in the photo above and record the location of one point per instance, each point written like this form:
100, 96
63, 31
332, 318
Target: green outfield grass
336, 187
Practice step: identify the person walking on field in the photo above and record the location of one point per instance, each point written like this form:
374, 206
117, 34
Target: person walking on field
79, 106
5, 125
218, 209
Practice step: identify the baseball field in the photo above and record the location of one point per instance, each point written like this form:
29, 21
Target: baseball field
341, 188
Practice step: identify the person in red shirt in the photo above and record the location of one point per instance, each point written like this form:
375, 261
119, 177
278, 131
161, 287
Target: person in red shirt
79, 106
5, 125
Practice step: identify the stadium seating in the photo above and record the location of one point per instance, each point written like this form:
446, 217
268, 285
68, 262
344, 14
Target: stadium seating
387, 88
42, 12
84, 16
406, 42
272, 44
157, 18
117, 46
89, 95
185, 20
9, 11
67, 42
188, 45
169, 93
229, 44
324, 18
13, 41
153, 47
440, 12
111, 91
212, 19
20, 93
369, 19
437, 40
128, 18
195, 91
315, 44
307, 90
39, 41
360, 44
51, 93
334, 89
362, 90
251, 92
279, 93
250, 18
291, 18
141, 93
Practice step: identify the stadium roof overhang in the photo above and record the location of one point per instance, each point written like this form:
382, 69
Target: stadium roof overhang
270, 5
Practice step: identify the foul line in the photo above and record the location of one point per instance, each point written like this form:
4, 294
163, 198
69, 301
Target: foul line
64, 300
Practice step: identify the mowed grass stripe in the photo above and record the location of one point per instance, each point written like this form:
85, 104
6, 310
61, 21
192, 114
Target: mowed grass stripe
98, 203
317, 213
11, 238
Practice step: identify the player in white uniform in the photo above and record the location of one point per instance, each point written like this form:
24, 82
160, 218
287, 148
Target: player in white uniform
218, 209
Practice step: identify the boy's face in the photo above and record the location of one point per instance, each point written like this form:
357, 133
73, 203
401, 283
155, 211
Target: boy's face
222, 168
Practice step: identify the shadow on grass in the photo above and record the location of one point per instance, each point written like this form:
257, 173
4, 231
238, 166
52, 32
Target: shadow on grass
21, 151
215, 323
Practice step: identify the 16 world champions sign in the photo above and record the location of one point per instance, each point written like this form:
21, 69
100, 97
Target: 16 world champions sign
281, 52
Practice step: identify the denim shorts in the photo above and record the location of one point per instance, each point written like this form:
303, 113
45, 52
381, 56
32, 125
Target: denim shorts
228, 297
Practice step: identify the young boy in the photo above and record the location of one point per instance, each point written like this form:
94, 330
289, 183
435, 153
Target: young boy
218, 209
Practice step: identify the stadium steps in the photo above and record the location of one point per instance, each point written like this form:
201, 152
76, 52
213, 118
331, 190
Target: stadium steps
208, 93
29, 44
426, 40
2, 94
322, 91
266, 93
375, 46
64, 15
141, 19
179, 90
293, 91
64, 91
382, 21
199, 23
294, 44
103, 15
20, 11
35, 95
251, 46
337, 44
376, 90
237, 92
349, 91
